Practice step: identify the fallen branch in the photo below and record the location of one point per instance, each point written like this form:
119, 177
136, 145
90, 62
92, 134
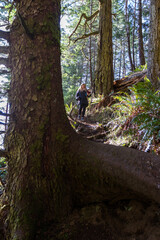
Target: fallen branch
128, 81
100, 135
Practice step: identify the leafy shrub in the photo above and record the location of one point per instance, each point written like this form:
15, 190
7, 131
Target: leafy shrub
138, 113
141, 68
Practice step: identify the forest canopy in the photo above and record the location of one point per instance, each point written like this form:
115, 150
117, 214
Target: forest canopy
129, 41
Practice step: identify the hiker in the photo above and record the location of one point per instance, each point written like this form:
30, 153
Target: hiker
81, 97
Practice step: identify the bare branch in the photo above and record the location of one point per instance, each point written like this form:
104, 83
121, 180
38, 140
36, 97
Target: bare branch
87, 19
2, 132
5, 35
3, 72
4, 61
2, 123
4, 49
4, 25
4, 114
86, 35
92, 16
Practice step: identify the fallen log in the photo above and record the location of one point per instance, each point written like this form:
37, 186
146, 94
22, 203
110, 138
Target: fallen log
125, 82
121, 85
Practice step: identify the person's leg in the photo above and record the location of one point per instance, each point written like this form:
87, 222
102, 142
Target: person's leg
83, 111
79, 111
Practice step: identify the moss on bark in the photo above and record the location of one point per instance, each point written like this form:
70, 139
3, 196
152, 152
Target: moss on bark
104, 71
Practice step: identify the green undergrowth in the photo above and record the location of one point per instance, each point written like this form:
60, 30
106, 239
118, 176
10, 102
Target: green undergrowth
133, 120
136, 121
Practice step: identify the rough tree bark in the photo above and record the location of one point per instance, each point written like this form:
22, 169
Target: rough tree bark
154, 44
104, 71
52, 169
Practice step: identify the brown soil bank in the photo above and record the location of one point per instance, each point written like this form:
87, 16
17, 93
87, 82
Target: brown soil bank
123, 220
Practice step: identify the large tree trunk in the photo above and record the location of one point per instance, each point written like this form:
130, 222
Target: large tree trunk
90, 53
51, 168
104, 71
140, 35
37, 163
154, 43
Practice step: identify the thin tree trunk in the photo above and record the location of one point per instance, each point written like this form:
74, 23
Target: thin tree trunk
140, 35
94, 69
114, 61
154, 44
87, 71
134, 26
124, 59
120, 61
128, 35
6, 120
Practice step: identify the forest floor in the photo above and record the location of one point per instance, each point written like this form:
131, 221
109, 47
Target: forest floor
128, 219
125, 219
95, 129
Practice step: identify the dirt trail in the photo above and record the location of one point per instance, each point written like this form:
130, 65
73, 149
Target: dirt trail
91, 130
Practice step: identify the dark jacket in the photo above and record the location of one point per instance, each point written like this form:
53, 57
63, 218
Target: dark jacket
81, 97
